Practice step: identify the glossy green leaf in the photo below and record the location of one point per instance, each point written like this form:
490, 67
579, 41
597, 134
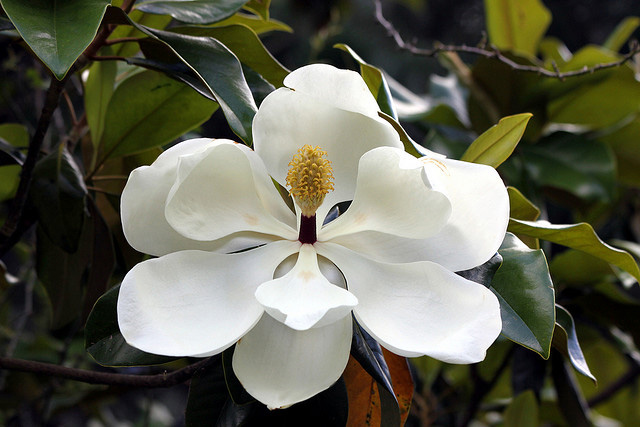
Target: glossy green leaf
522, 411
410, 146
149, 110
98, 89
516, 25
220, 71
565, 340
521, 207
193, 11
375, 81
260, 7
105, 343
246, 45
573, 163
624, 143
577, 236
125, 31
257, 24
525, 291
496, 144
59, 195
58, 31
621, 33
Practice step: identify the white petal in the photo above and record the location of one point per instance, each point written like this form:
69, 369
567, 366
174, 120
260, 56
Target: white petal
304, 298
143, 200
420, 308
217, 193
343, 89
195, 303
287, 120
479, 216
280, 366
392, 196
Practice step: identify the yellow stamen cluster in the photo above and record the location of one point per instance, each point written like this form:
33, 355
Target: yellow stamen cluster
310, 178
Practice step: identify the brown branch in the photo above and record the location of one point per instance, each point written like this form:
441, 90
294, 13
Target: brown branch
495, 53
106, 378
121, 40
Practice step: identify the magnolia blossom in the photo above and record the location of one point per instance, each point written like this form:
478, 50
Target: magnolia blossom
237, 265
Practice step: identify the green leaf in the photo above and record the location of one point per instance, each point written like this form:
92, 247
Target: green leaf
522, 411
257, 24
525, 291
98, 89
260, 7
577, 236
521, 207
621, 33
9, 181
58, 194
570, 399
17, 136
375, 81
496, 144
105, 343
246, 45
58, 31
624, 143
516, 25
576, 268
410, 146
573, 163
554, 50
207, 396
148, 110
565, 340
126, 31
193, 11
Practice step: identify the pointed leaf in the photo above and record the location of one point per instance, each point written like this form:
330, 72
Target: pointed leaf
496, 144
58, 31
98, 89
260, 7
621, 33
105, 343
484, 273
193, 11
565, 340
525, 291
577, 236
148, 110
517, 25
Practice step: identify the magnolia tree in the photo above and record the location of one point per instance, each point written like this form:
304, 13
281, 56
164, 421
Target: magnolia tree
339, 250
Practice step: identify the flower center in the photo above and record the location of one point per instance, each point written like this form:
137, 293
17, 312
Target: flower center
310, 178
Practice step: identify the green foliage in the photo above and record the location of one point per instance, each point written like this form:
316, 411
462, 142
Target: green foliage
517, 25
193, 11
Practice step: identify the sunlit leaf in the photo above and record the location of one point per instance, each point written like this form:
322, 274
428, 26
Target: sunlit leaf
496, 144
522, 411
525, 291
127, 31
193, 11
521, 207
516, 25
260, 7
565, 340
577, 236
58, 31
257, 24
621, 33
105, 343
98, 89
149, 110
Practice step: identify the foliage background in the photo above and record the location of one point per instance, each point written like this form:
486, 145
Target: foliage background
514, 386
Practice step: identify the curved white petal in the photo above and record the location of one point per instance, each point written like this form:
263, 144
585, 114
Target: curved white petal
217, 193
280, 366
143, 200
195, 303
392, 196
479, 215
343, 89
420, 308
287, 120
304, 298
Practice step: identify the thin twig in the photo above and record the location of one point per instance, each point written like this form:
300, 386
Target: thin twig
625, 380
121, 40
494, 52
105, 378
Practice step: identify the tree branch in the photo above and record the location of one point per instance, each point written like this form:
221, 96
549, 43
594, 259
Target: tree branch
626, 379
106, 378
494, 52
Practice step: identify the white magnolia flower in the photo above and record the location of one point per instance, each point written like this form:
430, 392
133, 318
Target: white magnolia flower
230, 249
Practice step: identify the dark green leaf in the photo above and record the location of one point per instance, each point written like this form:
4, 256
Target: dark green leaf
237, 393
525, 291
58, 31
58, 195
484, 273
565, 340
522, 411
256, 23
104, 341
496, 144
193, 11
624, 143
98, 89
148, 110
521, 207
246, 45
577, 236
207, 396
129, 49
570, 399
